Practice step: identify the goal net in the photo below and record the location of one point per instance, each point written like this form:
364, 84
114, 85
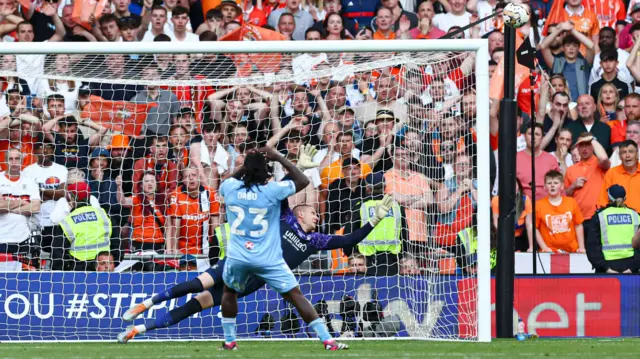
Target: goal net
136, 145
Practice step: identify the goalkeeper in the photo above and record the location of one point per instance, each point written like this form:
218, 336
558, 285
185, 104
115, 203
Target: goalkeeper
298, 240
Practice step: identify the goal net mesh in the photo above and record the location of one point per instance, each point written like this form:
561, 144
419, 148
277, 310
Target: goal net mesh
153, 136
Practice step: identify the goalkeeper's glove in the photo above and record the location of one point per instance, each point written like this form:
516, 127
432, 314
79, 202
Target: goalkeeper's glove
381, 210
305, 158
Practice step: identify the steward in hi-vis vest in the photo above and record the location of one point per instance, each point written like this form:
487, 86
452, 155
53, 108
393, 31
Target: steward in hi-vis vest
610, 234
385, 244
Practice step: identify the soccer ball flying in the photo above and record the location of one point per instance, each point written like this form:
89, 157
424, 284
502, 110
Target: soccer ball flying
515, 15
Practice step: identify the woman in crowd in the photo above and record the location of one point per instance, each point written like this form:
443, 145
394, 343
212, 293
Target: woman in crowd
608, 100
60, 66
334, 29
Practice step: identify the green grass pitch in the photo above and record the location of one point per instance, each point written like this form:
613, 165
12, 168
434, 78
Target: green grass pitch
398, 349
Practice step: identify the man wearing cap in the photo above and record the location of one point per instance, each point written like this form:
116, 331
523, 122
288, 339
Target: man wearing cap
586, 177
51, 178
87, 229
610, 234
609, 64
19, 200
230, 10
383, 246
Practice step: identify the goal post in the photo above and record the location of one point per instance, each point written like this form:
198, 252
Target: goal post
29, 301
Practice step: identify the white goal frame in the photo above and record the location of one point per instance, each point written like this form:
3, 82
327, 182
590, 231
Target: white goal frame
479, 46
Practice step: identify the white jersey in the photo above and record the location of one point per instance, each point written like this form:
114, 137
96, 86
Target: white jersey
14, 228
51, 177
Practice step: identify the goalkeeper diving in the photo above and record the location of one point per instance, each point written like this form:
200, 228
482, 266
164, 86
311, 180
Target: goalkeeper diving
298, 241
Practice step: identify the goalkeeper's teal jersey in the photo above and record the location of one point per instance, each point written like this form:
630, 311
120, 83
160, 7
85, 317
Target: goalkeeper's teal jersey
254, 216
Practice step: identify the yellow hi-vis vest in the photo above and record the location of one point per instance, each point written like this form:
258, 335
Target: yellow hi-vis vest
223, 233
617, 227
469, 240
385, 237
89, 231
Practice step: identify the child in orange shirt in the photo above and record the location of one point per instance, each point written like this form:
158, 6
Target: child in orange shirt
558, 218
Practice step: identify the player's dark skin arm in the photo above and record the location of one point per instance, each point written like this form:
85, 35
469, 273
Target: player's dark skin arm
299, 179
53, 194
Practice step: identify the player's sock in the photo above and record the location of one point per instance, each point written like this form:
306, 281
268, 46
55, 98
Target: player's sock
229, 327
141, 328
178, 290
175, 316
321, 330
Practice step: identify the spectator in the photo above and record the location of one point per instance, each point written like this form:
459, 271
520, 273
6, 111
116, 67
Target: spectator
610, 235
411, 190
344, 147
147, 214
108, 29
72, 149
303, 20
633, 62
625, 175
383, 246
158, 117
230, 10
120, 161
457, 16
397, 13
86, 230
213, 66
178, 150
579, 16
154, 21
626, 35
357, 264
121, 8
343, 194
18, 138
105, 262
238, 140
609, 63
51, 178
209, 155
562, 155
213, 23
334, 29
114, 69
20, 199
386, 91
384, 25
408, 265
67, 88
45, 22
607, 41
587, 122
544, 162
253, 15
157, 162
570, 64
608, 100
587, 176
128, 27
558, 219
631, 111
193, 210
180, 21
335, 6
286, 25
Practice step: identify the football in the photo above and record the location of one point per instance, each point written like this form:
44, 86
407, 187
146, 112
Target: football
515, 15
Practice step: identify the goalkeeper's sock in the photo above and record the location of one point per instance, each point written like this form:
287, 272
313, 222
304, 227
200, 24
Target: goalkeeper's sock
177, 291
321, 330
229, 327
175, 316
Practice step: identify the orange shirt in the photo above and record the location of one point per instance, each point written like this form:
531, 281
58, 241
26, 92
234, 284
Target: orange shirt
630, 182
194, 220
520, 225
557, 224
607, 11
146, 228
585, 196
334, 171
25, 147
380, 36
415, 184
618, 130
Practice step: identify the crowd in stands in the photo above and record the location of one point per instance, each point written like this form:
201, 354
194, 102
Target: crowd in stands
407, 131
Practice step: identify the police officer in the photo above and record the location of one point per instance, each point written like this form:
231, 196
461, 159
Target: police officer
610, 234
87, 229
384, 244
